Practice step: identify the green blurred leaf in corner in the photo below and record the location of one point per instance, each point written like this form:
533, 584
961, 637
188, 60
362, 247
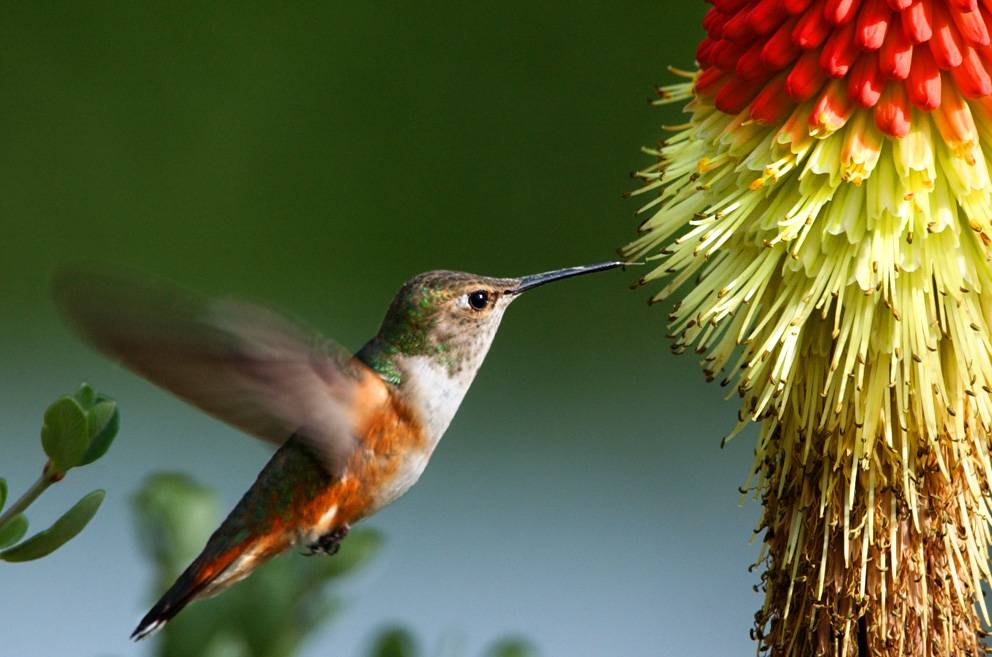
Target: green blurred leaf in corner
226, 644
511, 648
62, 531
65, 434
394, 642
13, 531
3, 492
175, 515
104, 422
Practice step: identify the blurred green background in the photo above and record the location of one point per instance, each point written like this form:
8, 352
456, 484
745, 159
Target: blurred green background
313, 157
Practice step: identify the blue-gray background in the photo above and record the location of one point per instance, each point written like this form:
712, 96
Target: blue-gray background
314, 157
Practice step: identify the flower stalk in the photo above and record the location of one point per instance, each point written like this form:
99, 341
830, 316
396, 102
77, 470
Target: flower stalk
30, 495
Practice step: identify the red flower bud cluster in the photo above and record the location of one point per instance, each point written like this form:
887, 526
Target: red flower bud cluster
770, 56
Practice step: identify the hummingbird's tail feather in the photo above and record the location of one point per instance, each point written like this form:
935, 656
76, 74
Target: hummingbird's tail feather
259, 527
178, 596
211, 572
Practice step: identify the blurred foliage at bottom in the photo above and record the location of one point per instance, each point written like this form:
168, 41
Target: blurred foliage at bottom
270, 613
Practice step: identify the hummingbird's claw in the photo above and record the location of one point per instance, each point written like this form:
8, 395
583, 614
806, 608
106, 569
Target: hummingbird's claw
330, 542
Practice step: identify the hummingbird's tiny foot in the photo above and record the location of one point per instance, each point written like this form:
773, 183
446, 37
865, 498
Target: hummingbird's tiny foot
330, 542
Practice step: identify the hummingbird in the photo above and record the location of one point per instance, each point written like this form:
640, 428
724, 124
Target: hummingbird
354, 431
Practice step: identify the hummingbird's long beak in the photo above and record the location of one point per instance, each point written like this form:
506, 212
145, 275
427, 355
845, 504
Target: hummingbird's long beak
528, 282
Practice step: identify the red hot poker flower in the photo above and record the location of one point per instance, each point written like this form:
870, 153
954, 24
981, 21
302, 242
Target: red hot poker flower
828, 205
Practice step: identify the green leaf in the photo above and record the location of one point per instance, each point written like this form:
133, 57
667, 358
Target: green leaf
61, 531
3, 492
226, 643
394, 642
65, 433
511, 648
104, 421
85, 395
14, 530
175, 515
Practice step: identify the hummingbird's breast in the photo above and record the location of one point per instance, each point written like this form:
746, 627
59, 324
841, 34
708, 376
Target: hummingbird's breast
394, 453
397, 429
392, 450
402, 430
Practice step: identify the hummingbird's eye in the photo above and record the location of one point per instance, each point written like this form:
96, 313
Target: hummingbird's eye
478, 300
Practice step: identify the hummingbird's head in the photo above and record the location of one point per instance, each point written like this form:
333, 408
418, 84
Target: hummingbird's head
451, 318
438, 330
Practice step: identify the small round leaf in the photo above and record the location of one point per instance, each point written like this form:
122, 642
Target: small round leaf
85, 395
13, 530
104, 421
62, 531
175, 515
65, 433
394, 642
511, 647
3, 492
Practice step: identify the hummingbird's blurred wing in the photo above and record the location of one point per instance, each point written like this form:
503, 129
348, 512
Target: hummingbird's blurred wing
242, 363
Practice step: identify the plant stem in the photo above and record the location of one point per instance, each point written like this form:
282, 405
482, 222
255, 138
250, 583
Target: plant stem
30, 495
